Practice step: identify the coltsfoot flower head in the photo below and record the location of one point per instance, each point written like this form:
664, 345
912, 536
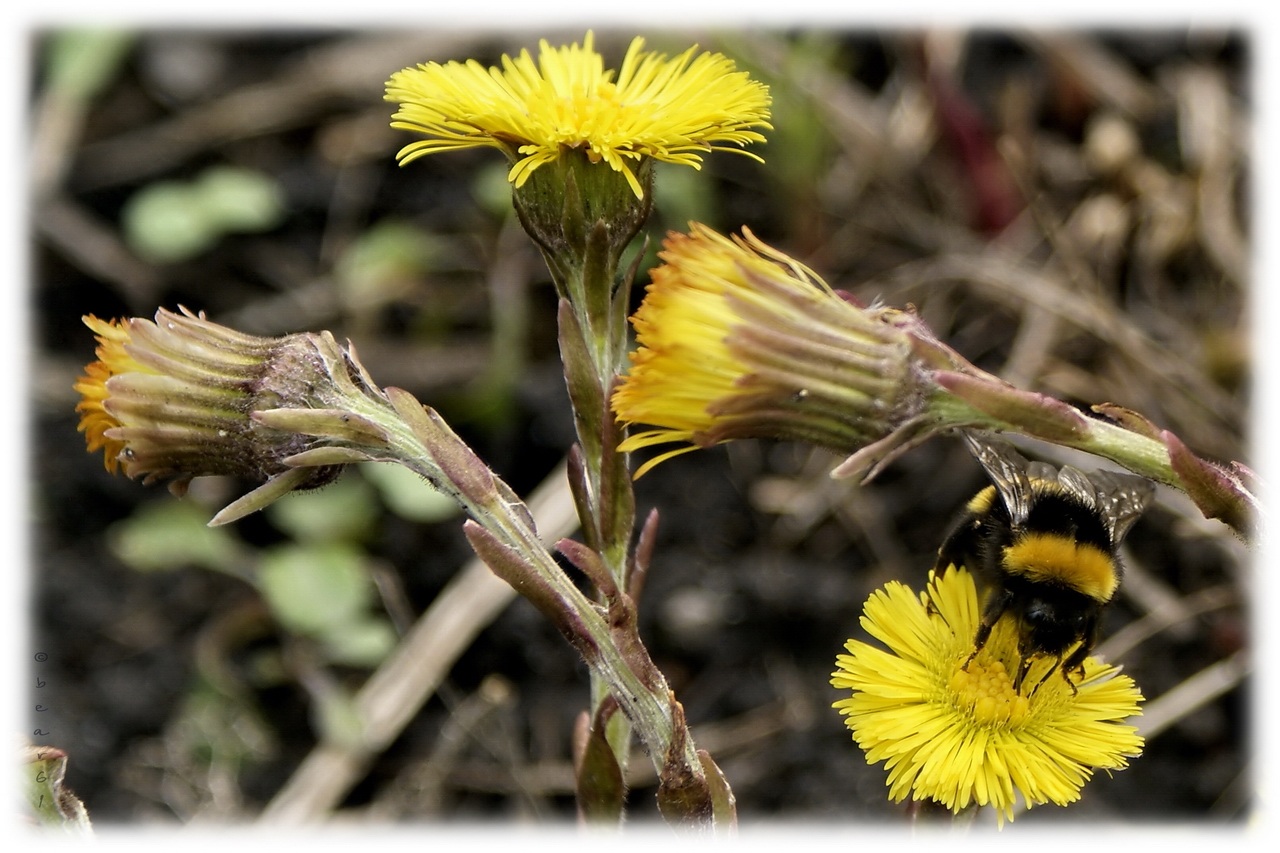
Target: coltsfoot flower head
181, 397
672, 110
737, 340
962, 735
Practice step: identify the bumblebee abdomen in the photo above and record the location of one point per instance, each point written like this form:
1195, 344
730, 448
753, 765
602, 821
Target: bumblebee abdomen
1061, 561
965, 544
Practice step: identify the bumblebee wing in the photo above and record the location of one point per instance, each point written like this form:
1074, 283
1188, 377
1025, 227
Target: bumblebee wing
1041, 471
1077, 483
1007, 469
1121, 499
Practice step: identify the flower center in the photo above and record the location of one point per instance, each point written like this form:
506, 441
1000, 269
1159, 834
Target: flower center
986, 691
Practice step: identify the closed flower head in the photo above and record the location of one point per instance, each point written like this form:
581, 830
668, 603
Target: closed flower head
652, 107
737, 340
182, 397
962, 734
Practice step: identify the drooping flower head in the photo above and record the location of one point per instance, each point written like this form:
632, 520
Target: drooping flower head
737, 340
672, 110
182, 397
962, 735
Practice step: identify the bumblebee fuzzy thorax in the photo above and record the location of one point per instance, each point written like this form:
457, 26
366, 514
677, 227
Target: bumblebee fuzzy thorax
1063, 544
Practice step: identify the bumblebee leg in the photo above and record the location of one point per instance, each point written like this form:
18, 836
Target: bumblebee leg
1075, 663
995, 608
1023, 669
980, 639
1057, 664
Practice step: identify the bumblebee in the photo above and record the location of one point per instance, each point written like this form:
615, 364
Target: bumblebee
1043, 542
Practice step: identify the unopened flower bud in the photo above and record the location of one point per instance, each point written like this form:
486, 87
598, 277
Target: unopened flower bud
175, 398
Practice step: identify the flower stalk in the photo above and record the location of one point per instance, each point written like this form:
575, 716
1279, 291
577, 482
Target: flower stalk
582, 141
962, 395
582, 235
290, 411
739, 341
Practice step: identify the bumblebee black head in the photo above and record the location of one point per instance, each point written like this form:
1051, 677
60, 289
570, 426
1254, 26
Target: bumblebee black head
1049, 622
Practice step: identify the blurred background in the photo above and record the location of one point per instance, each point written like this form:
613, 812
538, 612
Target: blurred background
1068, 209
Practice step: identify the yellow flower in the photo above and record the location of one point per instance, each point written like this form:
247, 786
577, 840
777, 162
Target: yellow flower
962, 735
737, 340
668, 109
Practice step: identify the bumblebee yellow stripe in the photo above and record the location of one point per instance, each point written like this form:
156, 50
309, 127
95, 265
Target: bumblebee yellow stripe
980, 503
1053, 558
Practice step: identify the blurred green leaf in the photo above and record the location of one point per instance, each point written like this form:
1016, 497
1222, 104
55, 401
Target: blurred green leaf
81, 62
313, 588
685, 195
263, 667
800, 147
172, 221
391, 249
363, 643
221, 729
164, 222
239, 200
408, 495
170, 534
491, 189
337, 720
385, 261
342, 511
